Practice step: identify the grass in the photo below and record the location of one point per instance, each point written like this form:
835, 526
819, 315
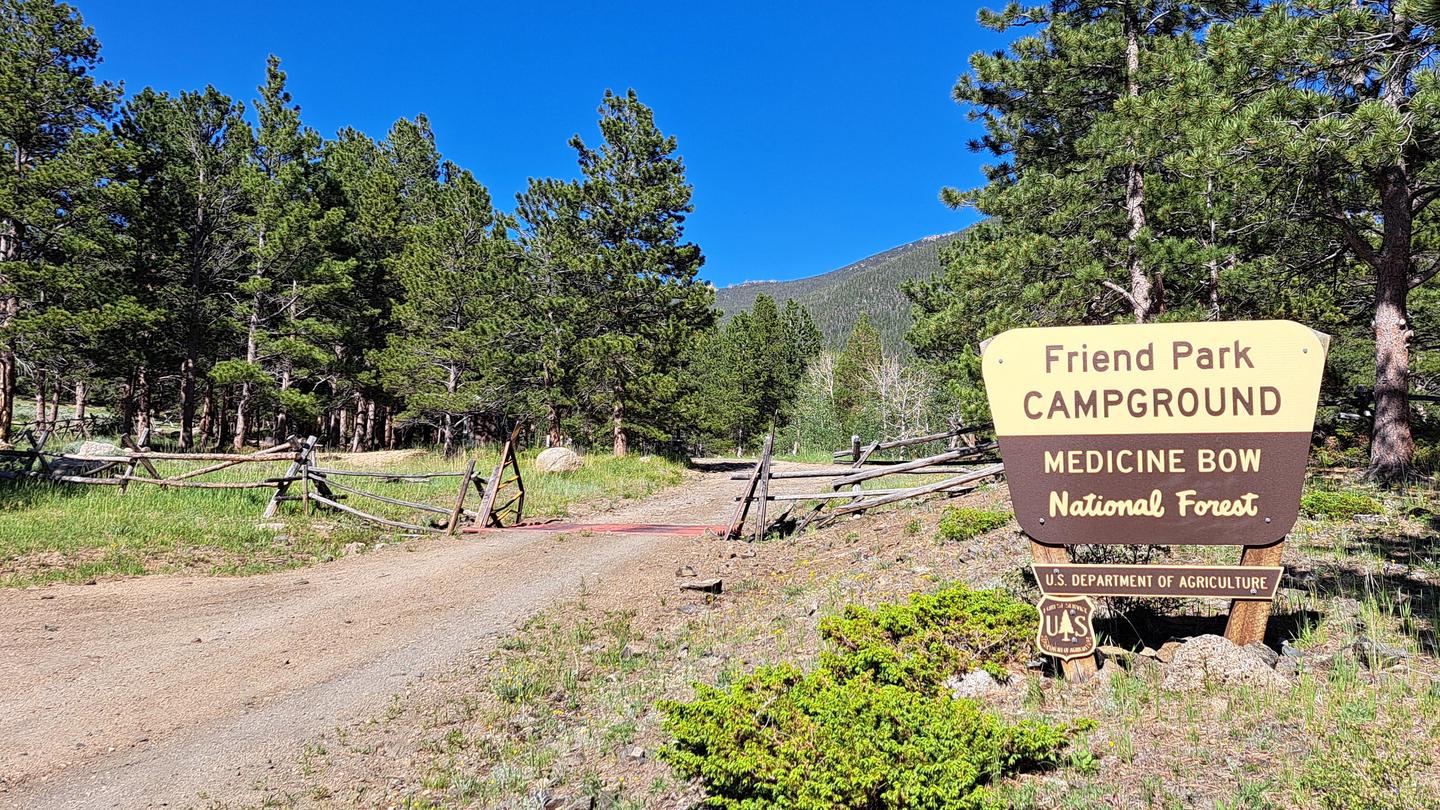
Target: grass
77, 533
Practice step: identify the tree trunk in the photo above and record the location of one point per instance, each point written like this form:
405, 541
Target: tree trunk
342, 427
370, 428
617, 423
447, 433
207, 415
9, 308
362, 424
1143, 298
127, 407
1391, 442
242, 408
282, 419
389, 429
1212, 265
242, 427
40, 401
55, 402
219, 423
80, 400
7, 384
552, 411
187, 403
142, 401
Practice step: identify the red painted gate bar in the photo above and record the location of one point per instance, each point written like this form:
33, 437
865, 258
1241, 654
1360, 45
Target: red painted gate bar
667, 529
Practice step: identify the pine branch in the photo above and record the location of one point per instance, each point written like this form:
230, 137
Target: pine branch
1124, 293
1428, 274
1353, 237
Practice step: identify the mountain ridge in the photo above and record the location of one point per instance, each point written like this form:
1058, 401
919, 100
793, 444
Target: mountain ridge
836, 298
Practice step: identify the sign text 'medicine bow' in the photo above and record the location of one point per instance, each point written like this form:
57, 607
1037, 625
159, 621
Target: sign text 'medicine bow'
1186, 433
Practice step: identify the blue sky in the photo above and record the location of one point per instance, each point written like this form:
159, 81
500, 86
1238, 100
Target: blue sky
815, 134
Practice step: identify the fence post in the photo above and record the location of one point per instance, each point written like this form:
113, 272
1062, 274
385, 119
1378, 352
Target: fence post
460, 498
300, 465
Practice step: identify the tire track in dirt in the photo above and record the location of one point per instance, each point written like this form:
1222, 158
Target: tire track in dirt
163, 690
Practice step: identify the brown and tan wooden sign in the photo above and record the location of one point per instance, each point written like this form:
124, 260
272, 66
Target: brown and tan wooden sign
1066, 630
1154, 434
1219, 581
1189, 433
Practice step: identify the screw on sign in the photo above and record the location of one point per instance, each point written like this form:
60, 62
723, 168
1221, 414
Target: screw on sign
1066, 628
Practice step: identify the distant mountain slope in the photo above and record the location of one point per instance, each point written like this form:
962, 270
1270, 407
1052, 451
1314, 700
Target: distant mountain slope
835, 299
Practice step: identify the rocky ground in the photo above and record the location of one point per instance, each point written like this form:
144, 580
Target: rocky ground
1340, 707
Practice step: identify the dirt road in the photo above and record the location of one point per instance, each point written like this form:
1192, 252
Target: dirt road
176, 691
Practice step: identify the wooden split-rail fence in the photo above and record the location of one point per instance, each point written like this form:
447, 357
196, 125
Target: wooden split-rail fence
84, 427
305, 480
967, 464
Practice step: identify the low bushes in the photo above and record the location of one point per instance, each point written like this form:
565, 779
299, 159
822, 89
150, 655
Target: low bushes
963, 523
1338, 504
873, 725
920, 643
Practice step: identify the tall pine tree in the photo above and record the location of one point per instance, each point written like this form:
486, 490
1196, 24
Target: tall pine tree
54, 164
645, 305
441, 357
1342, 113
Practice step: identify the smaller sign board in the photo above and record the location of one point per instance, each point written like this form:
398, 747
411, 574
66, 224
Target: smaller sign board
1221, 581
1065, 630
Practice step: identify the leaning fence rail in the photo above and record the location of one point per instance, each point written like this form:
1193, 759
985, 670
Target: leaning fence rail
846, 496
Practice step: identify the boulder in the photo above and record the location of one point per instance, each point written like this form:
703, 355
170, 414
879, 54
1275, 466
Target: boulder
1375, 655
558, 459
1262, 651
94, 448
974, 684
1215, 659
71, 466
704, 586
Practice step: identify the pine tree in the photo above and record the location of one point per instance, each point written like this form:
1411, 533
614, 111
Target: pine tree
357, 180
750, 369
54, 153
441, 357
725, 365
1114, 196
190, 153
293, 285
555, 240
1340, 113
853, 390
646, 307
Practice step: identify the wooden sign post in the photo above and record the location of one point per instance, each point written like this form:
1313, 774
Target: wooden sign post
1178, 433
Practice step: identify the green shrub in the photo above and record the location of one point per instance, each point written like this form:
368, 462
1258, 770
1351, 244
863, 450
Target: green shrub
1426, 458
920, 643
1338, 504
780, 738
963, 523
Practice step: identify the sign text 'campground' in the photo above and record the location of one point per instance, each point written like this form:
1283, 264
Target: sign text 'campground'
1187, 433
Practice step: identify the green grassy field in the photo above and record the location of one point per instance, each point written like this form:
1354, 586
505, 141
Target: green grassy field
77, 533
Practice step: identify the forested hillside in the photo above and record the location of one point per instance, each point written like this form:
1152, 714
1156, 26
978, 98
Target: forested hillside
836, 299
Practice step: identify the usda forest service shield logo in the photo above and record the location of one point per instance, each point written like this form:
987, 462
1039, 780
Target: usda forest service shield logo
1065, 628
